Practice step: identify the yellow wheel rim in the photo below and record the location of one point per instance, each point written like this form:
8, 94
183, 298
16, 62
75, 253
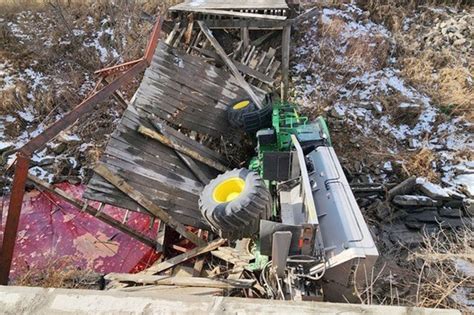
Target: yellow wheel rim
228, 190
241, 105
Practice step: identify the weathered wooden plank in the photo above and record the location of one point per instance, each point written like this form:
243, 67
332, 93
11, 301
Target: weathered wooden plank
220, 51
155, 135
162, 266
173, 204
125, 202
251, 24
243, 68
181, 138
182, 281
234, 5
285, 61
234, 14
146, 203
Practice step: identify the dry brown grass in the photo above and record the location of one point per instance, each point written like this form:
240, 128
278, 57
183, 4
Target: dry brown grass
420, 164
435, 275
447, 82
440, 278
59, 273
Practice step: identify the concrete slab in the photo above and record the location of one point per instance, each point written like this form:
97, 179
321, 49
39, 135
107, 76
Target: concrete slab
31, 300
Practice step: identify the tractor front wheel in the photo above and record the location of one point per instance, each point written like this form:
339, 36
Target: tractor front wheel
237, 110
234, 203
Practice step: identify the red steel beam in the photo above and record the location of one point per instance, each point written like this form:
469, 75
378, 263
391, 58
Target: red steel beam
153, 42
81, 109
105, 72
13, 216
24, 154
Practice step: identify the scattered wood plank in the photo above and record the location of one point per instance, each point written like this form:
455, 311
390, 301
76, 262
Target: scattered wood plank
120, 183
181, 281
185, 256
199, 263
221, 52
190, 152
79, 204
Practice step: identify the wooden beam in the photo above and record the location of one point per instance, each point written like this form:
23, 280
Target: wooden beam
79, 204
120, 183
181, 281
184, 256
241, 67
285, 61
190, 152
255, 16
257, 25
192, 166
221, 52
245, 37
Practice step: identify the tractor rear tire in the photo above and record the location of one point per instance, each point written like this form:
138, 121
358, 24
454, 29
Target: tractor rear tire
234, 203
236, 111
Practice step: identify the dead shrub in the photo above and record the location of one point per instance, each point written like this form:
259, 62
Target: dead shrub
360, 51
14, 99
58, 273
420, 164
446, 82
334, 28
443, 269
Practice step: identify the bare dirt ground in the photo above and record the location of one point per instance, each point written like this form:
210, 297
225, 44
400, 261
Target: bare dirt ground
393, 79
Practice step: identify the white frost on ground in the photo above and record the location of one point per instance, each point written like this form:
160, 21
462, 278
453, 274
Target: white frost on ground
95, 41
352, 91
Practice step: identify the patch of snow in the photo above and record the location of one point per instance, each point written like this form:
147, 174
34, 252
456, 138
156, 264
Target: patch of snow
78, 32
41, 174
465, 267
27, 114
85, 146
36, 78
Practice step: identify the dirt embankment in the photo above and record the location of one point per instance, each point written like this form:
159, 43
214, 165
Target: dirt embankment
395, 84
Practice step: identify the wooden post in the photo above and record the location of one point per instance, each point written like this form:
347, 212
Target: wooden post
120, 183
230, 64
244, 36
285, 60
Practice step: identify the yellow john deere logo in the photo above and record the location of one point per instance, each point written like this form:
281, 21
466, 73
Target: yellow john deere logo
228, 190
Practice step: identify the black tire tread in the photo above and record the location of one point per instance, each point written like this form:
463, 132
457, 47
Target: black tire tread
241, 217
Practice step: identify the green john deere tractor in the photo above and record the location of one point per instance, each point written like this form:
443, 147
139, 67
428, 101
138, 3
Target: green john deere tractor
294, 201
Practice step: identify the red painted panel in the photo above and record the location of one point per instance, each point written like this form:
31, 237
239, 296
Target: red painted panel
51, 229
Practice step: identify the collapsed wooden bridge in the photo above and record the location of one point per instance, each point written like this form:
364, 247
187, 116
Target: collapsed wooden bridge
213, 53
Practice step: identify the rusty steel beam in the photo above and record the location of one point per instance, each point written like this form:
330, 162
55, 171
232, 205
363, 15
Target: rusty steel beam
105, 72
13, 216
81, 109
153, 42
24, 154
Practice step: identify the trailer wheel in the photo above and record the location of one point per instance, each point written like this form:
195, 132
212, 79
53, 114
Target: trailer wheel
235, 112
234, 203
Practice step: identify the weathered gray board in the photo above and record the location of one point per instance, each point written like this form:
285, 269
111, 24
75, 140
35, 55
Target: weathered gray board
183, 90
151, 168
231, 5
